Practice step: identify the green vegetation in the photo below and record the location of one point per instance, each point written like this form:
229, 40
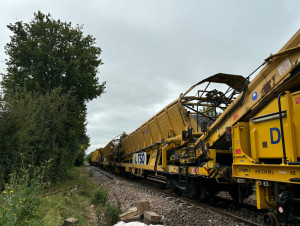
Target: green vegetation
35, 132
111, 213
25, 202
19, 200
51, 74
100, 196
69, 198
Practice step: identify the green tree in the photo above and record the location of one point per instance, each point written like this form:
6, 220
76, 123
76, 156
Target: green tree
47, 54
210, 112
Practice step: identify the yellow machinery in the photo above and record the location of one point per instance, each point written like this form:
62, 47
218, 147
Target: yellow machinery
266, 151
94, 157
108, 155
210, 140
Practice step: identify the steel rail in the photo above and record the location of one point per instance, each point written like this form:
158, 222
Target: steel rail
101, 171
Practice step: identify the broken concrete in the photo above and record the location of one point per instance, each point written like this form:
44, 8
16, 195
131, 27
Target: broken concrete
142, 207
152, 217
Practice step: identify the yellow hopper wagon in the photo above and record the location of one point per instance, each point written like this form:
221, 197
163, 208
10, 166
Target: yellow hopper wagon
94, 158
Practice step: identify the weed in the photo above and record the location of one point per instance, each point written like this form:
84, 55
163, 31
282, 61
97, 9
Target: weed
112, 213
20, 198
100, 196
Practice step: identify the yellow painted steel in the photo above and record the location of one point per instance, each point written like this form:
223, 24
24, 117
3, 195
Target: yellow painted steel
272, 76
262, 159
263, 196
107, 153
94, 156
168, 123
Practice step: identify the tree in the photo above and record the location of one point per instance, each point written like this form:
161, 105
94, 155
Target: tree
47, 54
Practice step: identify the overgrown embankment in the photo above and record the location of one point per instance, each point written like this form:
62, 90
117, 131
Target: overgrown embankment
32, 202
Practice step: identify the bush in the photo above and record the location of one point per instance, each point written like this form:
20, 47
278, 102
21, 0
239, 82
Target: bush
20, 198
100, 196
112, 213
80, 158
39, 128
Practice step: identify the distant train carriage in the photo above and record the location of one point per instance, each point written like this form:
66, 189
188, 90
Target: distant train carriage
94, 159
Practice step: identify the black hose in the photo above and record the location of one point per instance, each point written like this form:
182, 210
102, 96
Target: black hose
281, 127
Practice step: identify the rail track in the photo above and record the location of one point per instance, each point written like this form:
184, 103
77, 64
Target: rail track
103, 172
150, 185
206, 205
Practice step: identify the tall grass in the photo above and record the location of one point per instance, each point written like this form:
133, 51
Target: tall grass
20, 197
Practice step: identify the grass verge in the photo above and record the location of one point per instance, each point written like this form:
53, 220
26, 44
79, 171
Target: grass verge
25, 201
69, 198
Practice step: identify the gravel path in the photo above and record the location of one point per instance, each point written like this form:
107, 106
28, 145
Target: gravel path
174, 212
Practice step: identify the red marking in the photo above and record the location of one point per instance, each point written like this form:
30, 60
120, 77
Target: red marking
193, 170
238, 151
206, 170
235, 116
298, 100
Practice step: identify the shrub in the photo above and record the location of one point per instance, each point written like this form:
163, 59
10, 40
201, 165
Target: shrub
100, 196
38, 128
112, 213
20, 198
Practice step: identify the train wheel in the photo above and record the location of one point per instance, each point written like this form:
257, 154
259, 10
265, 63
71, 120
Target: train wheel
270, 219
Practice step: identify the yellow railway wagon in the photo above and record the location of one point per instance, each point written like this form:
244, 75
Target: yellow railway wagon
107, 154
94, 158
266, 152
226, 139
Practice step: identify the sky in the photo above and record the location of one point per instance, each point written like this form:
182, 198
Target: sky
155, 50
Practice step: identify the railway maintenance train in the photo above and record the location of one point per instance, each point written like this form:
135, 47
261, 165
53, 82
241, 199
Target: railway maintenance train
237, 138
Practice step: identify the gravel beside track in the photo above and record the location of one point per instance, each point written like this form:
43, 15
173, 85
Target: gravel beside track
173, 210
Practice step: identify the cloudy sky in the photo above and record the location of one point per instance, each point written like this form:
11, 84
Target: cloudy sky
155, 50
